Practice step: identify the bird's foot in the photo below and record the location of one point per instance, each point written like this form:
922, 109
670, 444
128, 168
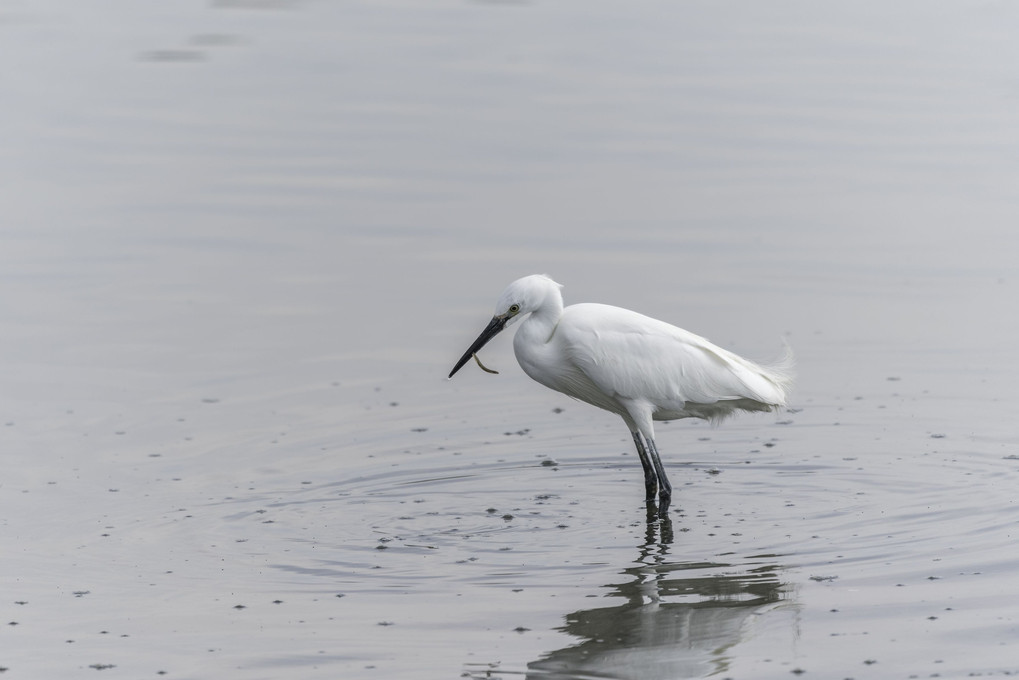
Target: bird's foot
650, 489
657, 509
664, 501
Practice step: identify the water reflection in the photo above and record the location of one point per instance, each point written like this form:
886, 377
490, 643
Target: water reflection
678, 619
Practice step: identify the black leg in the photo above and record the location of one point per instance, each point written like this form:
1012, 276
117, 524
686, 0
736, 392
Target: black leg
665, 490
650, 478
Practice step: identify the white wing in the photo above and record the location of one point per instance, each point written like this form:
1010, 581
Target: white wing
632, 356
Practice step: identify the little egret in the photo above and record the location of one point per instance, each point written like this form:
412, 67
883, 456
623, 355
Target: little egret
640, 368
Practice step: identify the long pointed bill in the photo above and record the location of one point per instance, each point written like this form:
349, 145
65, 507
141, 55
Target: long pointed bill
491, 330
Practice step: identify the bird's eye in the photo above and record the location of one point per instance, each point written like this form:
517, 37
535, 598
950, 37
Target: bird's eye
514, 309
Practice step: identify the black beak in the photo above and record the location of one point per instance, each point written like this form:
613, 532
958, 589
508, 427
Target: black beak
491, 330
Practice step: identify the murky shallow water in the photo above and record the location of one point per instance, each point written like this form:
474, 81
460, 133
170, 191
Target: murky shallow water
243, 244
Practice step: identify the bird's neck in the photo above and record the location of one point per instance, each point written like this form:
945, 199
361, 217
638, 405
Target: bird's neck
538, 328
532, 345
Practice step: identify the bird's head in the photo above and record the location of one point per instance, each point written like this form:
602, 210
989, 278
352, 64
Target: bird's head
520, 298
524, 296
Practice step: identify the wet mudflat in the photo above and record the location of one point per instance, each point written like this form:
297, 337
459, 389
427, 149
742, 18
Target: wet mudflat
237, 266
835, 541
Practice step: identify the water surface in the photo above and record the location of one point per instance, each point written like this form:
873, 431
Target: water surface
244, 242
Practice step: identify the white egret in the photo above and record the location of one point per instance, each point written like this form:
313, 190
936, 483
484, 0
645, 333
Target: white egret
640, 368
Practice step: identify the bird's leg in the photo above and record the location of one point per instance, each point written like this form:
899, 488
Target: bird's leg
665, 490
650, 479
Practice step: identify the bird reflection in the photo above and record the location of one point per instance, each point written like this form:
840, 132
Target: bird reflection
677, 619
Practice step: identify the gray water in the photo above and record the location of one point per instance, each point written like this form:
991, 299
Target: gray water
244, 241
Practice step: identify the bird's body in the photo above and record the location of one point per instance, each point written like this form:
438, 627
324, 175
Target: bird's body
640, 368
